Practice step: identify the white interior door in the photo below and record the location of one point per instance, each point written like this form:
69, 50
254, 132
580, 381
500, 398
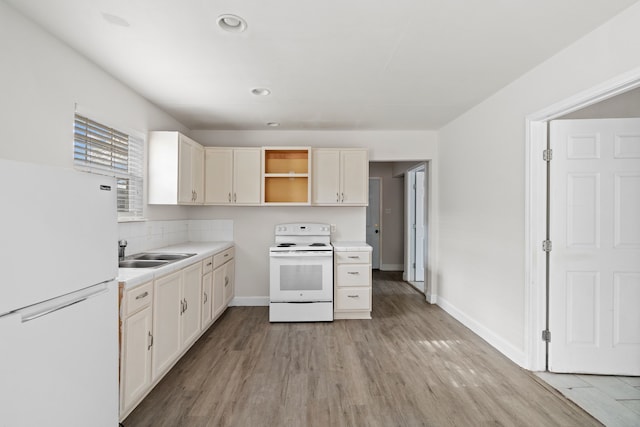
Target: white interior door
594, 288
373, 221
419, 227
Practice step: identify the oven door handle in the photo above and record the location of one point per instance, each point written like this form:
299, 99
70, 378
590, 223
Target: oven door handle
293, 254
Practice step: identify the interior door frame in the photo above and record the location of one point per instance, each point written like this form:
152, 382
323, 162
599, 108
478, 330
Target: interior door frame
536, 207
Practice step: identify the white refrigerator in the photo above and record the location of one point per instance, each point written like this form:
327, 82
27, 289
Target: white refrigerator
58, 297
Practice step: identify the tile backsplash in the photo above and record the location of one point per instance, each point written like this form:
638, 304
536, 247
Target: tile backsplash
148, 235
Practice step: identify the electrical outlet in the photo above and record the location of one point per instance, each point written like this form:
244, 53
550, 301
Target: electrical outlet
333, 228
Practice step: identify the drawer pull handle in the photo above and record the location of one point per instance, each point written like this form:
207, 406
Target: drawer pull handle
353, 296
209, 263
353, 272
354, 256
143, 295
226, 255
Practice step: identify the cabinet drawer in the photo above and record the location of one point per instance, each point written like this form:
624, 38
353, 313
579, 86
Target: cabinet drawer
353, 299
137, 298
222, 257
353, 275
352, 257
207, 265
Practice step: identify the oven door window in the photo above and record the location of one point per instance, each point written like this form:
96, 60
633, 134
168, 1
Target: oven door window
301, 277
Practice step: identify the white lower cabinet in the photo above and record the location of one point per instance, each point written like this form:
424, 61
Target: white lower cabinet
191, 305
207, 292
176, 319
161, 319
166, 322
223, 280
352, 280
136, 344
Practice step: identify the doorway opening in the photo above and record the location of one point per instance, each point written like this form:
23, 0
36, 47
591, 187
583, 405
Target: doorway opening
405, 214
536, 213
416, 225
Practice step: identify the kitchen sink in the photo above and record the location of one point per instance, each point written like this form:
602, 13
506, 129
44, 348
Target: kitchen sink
151, 259
160, 256
141, 263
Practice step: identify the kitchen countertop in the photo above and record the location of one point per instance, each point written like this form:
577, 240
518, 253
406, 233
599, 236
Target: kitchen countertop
132, 277
351, 246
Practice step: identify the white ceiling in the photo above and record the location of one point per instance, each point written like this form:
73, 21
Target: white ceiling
330, 64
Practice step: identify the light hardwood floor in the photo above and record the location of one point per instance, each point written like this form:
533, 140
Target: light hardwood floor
411, 365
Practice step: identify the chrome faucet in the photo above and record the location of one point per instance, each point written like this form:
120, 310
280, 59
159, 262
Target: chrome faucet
122, 244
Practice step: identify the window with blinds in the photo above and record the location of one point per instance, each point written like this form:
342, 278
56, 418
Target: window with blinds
101, 149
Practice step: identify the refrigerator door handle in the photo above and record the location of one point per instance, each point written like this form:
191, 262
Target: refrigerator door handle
62, 305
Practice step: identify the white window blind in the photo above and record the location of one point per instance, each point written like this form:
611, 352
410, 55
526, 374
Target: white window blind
103, 150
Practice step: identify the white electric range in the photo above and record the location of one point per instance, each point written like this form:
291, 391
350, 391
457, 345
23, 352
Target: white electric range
301, 273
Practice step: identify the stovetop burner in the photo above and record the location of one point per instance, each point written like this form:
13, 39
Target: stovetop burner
286, 245
318, 244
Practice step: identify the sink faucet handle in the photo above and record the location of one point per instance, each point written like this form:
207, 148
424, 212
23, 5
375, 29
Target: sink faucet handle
122, 245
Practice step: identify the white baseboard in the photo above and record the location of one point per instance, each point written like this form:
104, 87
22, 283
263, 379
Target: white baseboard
249, 302
499, 343
391, 267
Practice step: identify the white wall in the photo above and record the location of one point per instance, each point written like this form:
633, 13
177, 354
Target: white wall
382, 145
41, 80
482, 182
253, 229
254, 226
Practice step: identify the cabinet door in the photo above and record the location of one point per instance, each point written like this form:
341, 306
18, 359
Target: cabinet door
326, 177
246, 176
218, 175
218, 290
135, 374
185, 185
229, 281
207, 299
197, 173
166, 322
191, 303
354, 172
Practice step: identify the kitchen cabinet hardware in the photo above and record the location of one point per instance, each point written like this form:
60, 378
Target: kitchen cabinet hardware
150, 341
353, 257
353, 272
206, 298
143, 295
353, 296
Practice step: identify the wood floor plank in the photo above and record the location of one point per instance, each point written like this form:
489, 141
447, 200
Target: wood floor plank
411, 365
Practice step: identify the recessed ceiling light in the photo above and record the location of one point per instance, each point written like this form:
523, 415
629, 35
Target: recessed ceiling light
261, 91
115, 20
273, 124
232, 23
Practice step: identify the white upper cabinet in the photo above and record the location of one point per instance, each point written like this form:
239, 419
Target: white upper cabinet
232, 176
176, 169
340, 177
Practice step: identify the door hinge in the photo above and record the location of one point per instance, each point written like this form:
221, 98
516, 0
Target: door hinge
546, 245
547, 155
414, 265
546, 335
